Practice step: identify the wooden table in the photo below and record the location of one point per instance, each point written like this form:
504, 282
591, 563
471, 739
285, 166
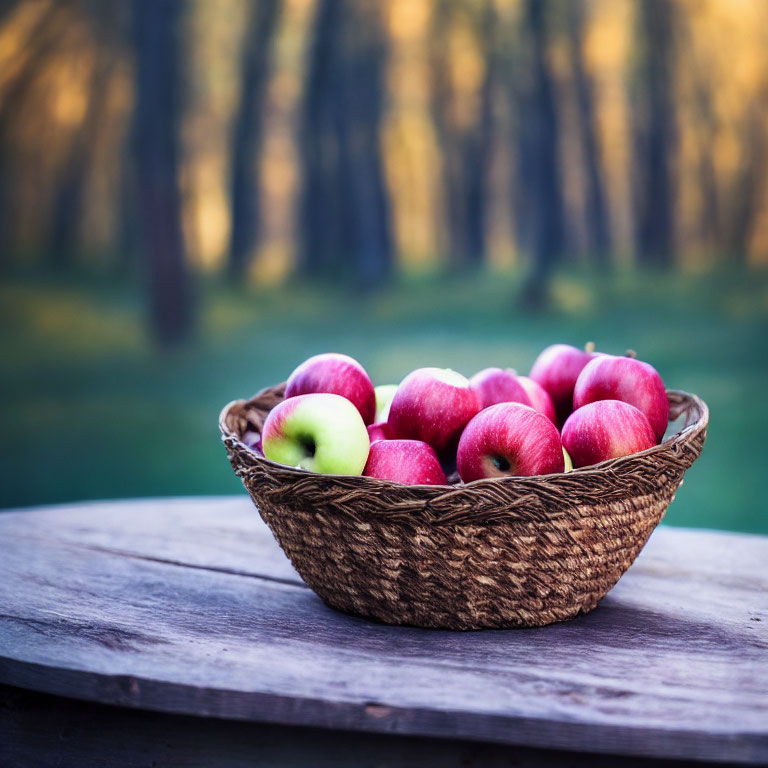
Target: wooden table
178, 634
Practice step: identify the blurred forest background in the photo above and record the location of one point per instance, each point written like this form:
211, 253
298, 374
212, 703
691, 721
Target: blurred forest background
195, 196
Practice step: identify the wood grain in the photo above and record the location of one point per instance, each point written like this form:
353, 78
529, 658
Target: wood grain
189, 607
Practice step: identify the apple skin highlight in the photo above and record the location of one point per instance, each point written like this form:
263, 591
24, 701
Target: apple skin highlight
411, 462
539, 398
335, 374
509, 439
433, 405
320, 432
606, 429
496, 385
629, 380
556, 370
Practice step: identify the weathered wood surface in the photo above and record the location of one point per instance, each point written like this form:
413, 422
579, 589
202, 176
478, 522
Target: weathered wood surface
188, 606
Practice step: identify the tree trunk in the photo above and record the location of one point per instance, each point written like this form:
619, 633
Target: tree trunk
156, 30
478, 156
466, 147
7, 7
710, 218
596, 209
42, 46
318, 203
127, 242
447, 135
344, 206
248, 133
710, 213
749, 186
362, 100
539, 145
67, 213
656, 140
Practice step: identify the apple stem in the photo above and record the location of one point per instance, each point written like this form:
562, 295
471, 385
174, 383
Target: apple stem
589, 347
630, 353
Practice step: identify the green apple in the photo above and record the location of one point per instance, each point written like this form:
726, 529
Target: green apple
568, 462
384, 394
320, 432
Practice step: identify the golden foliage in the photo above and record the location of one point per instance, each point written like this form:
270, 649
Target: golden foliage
721, 78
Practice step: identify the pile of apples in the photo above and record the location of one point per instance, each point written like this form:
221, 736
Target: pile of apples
576, 408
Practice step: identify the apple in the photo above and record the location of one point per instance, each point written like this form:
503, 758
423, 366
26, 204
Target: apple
378, 431
606, 429
338, 375
253, 440
411, 462
495, 385
624, 378
320, 432
384, 394
433, 405
539, 398
509, 439
556, 370
567, 460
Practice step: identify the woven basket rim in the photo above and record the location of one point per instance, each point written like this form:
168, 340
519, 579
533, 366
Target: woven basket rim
497, 552
678, 399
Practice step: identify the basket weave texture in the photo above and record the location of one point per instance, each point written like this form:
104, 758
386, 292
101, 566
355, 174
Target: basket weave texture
502, 552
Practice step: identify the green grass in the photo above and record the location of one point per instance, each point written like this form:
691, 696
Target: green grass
90, 410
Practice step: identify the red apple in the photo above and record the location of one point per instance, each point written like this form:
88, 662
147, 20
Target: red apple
495, 385
556, 370
378, 431
509, 439
433, 405
606, 429
410, 462
338, 375
539, 398
624, 378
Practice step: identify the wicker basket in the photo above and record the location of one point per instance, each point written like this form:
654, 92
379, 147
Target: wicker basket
510, 552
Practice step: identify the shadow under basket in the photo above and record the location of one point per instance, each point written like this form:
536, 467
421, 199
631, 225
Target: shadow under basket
501, 552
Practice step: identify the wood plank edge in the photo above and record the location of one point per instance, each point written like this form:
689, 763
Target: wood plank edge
746, 748
228, 500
